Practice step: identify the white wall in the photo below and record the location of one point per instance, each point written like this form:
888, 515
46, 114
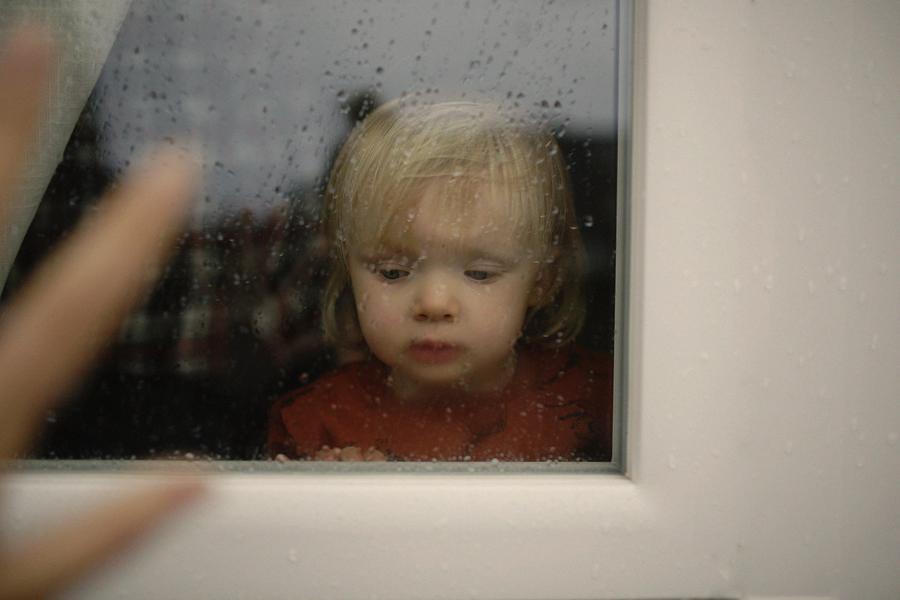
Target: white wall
764, 458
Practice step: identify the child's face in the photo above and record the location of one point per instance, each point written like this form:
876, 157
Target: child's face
444, 305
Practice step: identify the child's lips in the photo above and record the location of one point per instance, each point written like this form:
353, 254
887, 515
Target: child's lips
433, 352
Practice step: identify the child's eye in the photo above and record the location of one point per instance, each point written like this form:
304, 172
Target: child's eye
393, 274
479, 275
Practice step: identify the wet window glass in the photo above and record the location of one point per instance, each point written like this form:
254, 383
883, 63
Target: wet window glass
404, 248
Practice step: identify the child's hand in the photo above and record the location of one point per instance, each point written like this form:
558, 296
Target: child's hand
349, 454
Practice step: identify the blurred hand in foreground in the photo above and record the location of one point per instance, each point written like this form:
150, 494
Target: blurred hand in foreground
62, 318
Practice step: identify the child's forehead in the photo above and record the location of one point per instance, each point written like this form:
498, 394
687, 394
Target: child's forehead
481, 205
474, 221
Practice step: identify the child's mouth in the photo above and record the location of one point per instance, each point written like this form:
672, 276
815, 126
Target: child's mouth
433, 352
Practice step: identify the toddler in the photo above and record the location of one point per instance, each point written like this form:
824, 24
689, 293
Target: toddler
456, 274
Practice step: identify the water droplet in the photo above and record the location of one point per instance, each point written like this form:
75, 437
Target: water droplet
292, 555
725, 572
790, 70
588, 220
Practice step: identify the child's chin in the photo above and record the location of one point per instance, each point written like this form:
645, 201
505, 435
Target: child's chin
436, 377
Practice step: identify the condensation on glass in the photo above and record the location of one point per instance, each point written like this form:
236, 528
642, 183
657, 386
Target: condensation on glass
268, 92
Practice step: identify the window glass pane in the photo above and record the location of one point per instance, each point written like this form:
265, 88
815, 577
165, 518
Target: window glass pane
484, 252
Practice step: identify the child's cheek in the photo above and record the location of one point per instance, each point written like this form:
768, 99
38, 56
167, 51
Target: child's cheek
379, 310
381, 325
505, 320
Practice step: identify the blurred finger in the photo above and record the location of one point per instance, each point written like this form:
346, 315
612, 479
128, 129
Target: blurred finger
25, 64
80, 295
55, 560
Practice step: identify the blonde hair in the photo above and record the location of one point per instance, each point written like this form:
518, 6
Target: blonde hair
405, 146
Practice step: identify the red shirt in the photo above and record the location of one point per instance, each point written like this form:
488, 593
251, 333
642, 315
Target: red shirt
558, 406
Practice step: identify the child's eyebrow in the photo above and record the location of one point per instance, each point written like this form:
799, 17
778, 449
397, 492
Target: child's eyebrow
469, 252
387, 249
490, 254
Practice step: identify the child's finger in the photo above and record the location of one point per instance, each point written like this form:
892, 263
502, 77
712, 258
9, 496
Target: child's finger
24, 74
351, 454
55, 560
374, 455
328, 454
80, 295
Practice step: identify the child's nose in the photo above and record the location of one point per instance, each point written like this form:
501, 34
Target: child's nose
435, 301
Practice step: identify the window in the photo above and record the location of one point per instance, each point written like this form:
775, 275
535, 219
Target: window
269, 92
763, 422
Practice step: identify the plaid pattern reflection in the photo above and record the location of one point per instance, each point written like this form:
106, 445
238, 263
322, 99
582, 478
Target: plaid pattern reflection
244, 286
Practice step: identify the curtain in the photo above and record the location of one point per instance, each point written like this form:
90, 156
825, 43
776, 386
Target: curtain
85, 31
